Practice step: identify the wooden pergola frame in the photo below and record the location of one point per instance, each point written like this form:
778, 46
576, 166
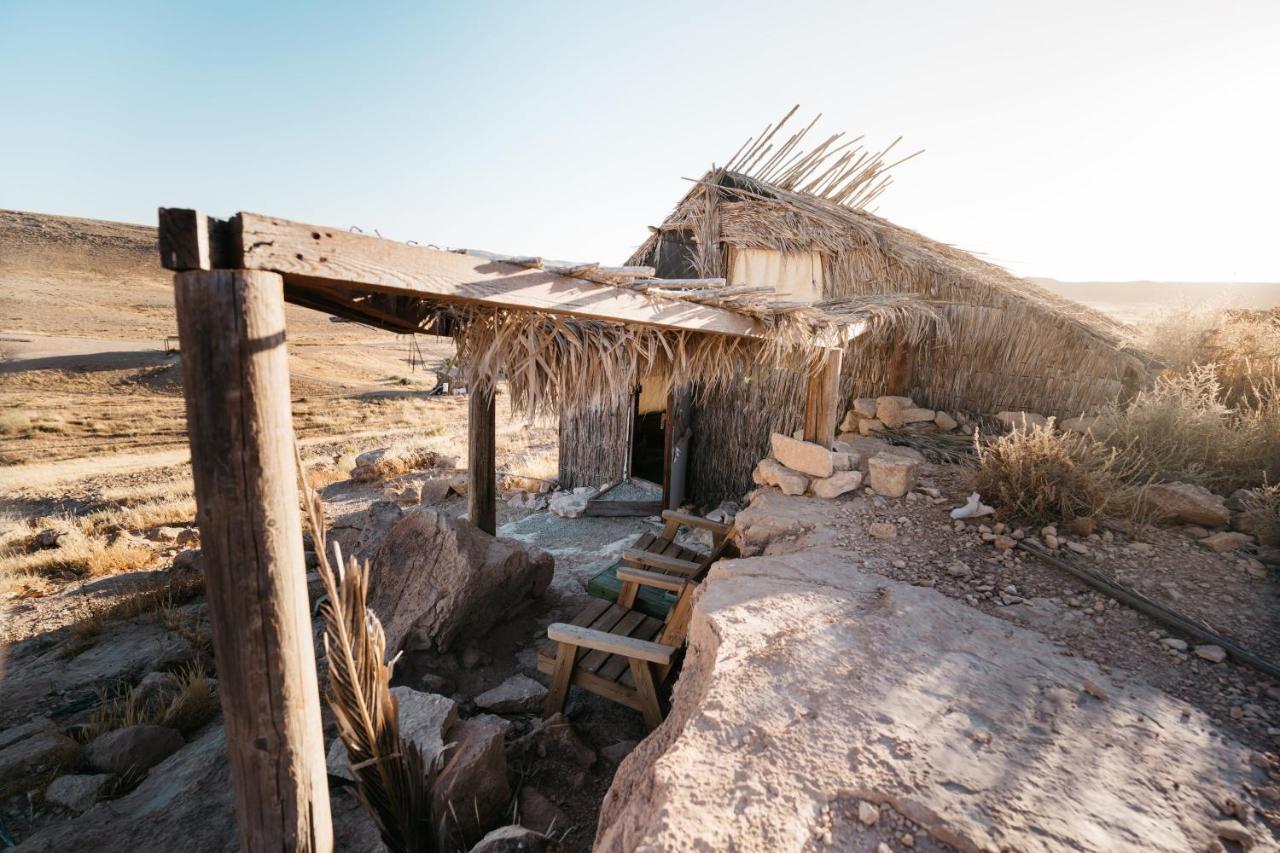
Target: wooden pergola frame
232, 279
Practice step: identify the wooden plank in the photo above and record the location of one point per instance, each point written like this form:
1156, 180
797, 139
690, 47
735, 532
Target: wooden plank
653, 579
632, 648
622, 509
649, 629
690, 520
661, 562
608, 619
592, 660
236, 379
482, 493
190, 240
329, 254
822, 402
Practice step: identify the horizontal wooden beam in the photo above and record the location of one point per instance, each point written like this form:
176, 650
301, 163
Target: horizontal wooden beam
319, 255
603, 641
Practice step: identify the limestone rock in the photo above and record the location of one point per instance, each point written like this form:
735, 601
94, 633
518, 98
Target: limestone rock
945, 422
845, 461
513, 839
1211, 653
850, 421
864, 407
889, 410
929, 699
1021, 420
433, 490
882, 530
837, 484
164, 534
803, 456
471, 793
519, 694
770, 516
615, 752
425, 720
30, 750
185, 803
460, 483
769, 472
538, 813
870, 426
864, 447
1187, 502
76, 793
1224, 541
132, 748
571, 504
917, 415
892, 475
442, 579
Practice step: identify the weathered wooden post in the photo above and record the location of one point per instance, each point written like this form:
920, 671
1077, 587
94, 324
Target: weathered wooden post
481, 457
235, 374
822, 402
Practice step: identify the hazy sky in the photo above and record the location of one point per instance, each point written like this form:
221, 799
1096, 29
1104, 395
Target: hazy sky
1080, 140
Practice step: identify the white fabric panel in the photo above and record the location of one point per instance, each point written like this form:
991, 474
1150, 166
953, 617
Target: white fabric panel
793, 275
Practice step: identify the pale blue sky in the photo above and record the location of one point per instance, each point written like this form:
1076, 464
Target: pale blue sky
1080, 140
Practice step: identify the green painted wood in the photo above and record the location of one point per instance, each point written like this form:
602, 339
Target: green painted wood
649, 601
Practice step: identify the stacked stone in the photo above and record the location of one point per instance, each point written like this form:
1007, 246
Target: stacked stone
869, 416
803, 468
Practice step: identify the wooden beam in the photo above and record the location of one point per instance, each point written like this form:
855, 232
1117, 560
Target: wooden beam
482, 498
190, 240
236, 379
333, 255
822, 403
614, 644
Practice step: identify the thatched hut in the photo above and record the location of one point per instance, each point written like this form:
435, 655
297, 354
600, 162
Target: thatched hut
796, 223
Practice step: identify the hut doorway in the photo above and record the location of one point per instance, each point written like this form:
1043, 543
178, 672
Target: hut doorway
648, 434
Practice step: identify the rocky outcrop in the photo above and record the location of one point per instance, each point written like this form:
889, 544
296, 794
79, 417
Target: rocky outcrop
435, 579
1189, 503
809, 680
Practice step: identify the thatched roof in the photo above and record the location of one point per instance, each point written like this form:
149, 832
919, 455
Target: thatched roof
1012, 343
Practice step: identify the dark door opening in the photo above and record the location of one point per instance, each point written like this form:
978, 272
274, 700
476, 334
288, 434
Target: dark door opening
648, 446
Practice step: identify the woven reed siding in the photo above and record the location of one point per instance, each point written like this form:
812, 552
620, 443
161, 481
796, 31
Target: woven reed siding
593, 446
731, 428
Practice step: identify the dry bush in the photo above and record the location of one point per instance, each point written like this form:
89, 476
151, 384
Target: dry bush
1047, 476
14, 423
1262, 509
162, 512
1179, 430
1243, 346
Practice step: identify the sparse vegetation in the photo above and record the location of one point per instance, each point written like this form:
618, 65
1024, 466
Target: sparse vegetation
1047, 476
1262, 509
14, 423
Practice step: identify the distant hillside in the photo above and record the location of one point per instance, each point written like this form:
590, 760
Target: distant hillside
1135, 300
60, 275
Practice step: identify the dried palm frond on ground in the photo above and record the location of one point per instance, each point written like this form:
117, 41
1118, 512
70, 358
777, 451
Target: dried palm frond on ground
1047, 476
393, 780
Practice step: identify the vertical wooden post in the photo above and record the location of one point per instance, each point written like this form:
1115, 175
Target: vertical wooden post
481, 458
898, 373
822, 403
236, 378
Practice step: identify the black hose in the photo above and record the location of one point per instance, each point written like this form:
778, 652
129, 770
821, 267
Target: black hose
1155, 610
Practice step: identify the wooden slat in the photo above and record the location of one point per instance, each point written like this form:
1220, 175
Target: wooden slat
662, 562
588, 614
638, 649
592, 660
608, 619
319, 254
690, 520
648, 629
653, 579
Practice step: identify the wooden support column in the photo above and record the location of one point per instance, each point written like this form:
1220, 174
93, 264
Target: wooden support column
236, 378
481, 459
822, 403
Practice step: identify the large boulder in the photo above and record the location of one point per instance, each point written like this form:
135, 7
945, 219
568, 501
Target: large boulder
76, 792
425, 720
440, 579
1189, 503
812, 686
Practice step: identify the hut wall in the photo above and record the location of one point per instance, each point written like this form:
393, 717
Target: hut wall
731, 428
593, 445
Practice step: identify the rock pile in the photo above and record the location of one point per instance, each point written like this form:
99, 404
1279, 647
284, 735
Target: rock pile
801, 467
868, 416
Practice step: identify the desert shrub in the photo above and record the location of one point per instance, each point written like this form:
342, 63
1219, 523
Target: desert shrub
14, 423
1243, 346
1180, 430
1047, 476
1262, 509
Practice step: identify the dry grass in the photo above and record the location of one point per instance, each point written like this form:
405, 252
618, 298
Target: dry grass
1262, 509
1243, 346
80, 555
1181, 430
187, 705
14, 423
1046, 476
